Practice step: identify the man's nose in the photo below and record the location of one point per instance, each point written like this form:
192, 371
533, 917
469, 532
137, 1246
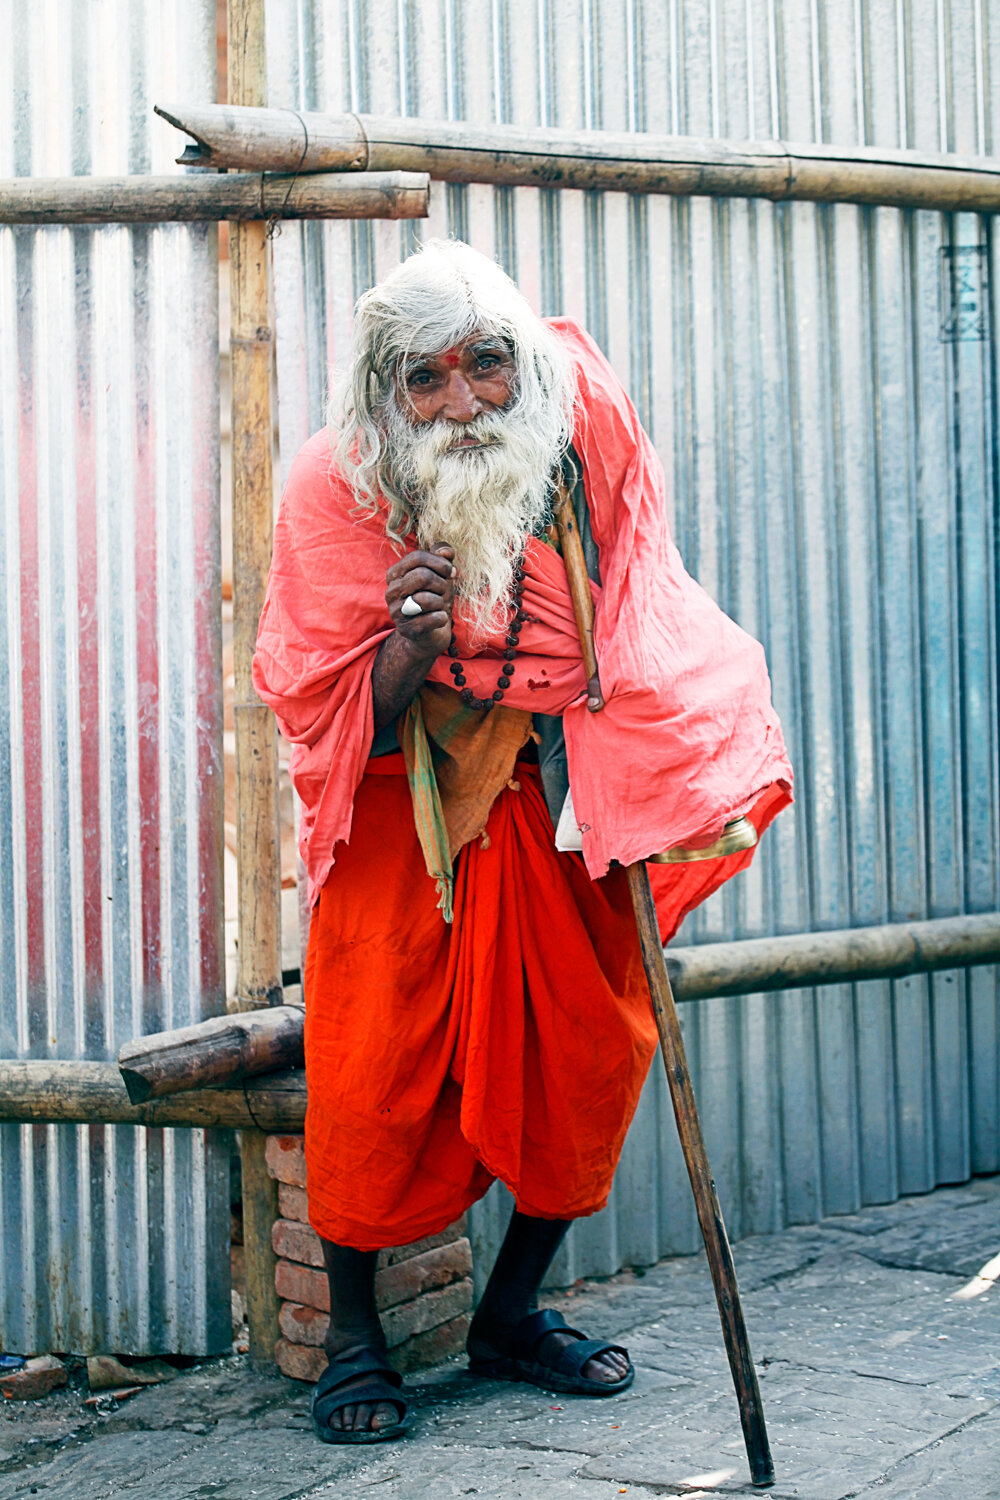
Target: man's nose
461, 403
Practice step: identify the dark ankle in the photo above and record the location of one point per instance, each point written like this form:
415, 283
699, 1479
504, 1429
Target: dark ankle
354, 1320
344, 1351
496, 1320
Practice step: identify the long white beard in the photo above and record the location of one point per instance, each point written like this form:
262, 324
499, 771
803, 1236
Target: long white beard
484, 502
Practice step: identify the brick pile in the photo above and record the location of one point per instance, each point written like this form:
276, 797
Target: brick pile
424, 1291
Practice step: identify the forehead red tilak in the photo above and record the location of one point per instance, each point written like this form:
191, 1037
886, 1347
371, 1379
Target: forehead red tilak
452, 358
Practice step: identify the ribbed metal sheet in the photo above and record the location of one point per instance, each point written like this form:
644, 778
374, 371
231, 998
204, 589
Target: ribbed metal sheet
110, 669
820, 382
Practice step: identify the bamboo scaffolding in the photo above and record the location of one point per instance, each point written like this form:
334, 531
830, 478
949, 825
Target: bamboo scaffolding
94, 1093
227, 1048
237, 196
506, 155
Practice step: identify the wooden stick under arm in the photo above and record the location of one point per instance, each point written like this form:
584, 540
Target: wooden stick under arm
579, 588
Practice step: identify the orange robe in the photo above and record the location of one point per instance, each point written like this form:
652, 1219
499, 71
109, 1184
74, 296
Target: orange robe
511, 1043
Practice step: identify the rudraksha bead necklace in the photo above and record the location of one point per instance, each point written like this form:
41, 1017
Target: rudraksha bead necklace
513, 631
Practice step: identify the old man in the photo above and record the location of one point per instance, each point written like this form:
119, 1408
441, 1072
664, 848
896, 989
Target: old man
476, 1006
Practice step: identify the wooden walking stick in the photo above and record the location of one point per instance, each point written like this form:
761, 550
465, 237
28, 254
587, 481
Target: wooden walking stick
720, 1258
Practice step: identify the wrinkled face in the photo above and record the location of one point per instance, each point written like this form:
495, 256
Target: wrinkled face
458, 384
474, 467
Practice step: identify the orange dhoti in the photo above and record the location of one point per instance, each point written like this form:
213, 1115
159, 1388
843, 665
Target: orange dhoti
512, 1043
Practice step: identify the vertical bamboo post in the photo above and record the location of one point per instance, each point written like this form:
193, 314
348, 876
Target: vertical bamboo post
258, 844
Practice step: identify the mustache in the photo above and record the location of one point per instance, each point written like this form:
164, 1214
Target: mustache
438, 439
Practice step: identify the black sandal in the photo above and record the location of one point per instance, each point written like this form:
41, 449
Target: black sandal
329, 1396
565, 1375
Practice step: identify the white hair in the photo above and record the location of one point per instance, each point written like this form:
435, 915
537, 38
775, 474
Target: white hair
436, 299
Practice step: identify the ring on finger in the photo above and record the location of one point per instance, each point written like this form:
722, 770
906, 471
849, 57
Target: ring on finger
410, 608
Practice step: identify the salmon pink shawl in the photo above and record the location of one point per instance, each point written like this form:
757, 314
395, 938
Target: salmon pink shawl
688, 737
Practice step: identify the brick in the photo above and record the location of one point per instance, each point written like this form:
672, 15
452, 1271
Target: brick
296, 1242
413, 1278
410, 1280
307, 1289
302, 1284
293, 1203
432, 1347
429, 1311
37, 1378
303, 1325
447, 1236
298, 1362
286, 1158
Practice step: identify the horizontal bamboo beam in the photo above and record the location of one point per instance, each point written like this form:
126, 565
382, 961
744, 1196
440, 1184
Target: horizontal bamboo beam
805, 959
92, 1093
244, 139
212, 1052
213, 195
507, 155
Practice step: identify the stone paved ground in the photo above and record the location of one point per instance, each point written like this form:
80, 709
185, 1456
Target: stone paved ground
878, 1379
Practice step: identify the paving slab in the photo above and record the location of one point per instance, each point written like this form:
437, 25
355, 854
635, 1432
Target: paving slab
965, 1465
878, 1357
107, 1465
831, 1435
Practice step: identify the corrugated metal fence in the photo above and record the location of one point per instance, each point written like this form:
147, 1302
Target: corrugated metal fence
821, 384
110, 683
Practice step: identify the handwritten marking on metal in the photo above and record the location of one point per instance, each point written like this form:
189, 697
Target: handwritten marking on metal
964, 300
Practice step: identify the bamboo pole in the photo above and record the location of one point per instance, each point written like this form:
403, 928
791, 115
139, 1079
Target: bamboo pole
239, 196
212, 1052
92, 1093
510, 156
258, 850
847, 956
239, 139
713, 1229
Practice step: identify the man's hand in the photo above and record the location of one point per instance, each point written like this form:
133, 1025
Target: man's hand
429, 579
404, 660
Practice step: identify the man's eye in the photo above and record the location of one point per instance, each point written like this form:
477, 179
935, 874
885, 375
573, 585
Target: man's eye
488, 361
419, 377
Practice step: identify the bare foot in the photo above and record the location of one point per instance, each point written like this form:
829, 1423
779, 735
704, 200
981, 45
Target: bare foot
366, 1371
607, 1367
364, 1417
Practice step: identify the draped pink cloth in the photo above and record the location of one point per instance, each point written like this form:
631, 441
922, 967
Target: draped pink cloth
688, 738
